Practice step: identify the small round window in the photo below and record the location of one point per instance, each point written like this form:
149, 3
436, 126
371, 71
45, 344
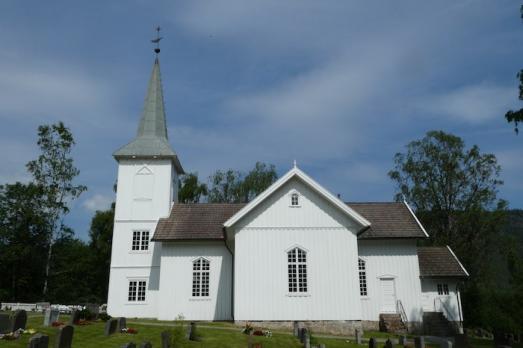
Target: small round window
295, 200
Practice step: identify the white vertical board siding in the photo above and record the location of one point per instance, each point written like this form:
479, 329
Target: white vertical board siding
176, 281
260, 270
143, 196
432, 302
391, 259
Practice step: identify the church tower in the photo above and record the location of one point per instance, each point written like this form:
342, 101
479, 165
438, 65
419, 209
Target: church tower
147, 186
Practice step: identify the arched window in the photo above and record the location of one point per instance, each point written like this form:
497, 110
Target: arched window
295, 200
363, 277
200, 277
297, 268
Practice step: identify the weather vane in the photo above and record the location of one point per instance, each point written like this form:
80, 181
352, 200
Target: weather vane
157, 40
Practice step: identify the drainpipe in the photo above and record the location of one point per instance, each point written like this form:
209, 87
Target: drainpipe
458, 297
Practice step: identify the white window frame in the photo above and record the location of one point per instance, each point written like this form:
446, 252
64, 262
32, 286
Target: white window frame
292, 195
362, 276
443, 289
142, 244
302, 287
199, 276
139, 296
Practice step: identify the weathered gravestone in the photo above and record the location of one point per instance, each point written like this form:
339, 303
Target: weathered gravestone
191, 332
38, 341
388, 343
110, 326
94, 309
19, 320
5, 323
373, 343
129, 345
303, 333
166, 339
122, 324
419, 342
402, 341
296, 329
75, 317
64, 339
307, 341
146, 345
359, 336
50, 316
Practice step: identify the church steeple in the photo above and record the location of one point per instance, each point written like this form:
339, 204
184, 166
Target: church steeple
151, 138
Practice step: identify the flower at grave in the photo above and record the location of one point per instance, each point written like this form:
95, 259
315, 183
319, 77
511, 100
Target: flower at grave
257, 333
268, 333
57, 323
130, 330
248, 328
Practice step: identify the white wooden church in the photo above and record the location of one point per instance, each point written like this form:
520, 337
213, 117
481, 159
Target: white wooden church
294, 253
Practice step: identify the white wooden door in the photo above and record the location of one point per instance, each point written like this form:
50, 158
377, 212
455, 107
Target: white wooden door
388, 295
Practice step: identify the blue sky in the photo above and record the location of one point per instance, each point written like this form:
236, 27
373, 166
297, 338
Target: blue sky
340, 86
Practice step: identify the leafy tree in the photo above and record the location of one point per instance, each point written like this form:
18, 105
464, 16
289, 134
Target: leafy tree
54, 172
23, 236
235, 187
101, 237
517, 115
190, 190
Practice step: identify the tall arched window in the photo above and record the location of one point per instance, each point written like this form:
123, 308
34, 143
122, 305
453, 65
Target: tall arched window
200, 277
297, 268
363, 277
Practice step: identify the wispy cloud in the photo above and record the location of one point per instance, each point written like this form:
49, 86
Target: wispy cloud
97, 202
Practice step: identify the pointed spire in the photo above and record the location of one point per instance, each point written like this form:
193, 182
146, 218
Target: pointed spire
152, 122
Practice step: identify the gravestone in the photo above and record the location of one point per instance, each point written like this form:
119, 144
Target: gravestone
388, 343
322, 345
75, 317
146, 345
191, 331
296, 329
359, 336
129, 345
122, 324
38, 341
403, 341
373, 343
94, 309
19, 320
166, 339
64, 339
50, 316
307, 341
419, 342
5, 323
110, 326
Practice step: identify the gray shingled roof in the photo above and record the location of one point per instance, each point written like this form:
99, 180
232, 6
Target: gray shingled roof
151, 138
205, 221
439, 262
388, 220
195, 221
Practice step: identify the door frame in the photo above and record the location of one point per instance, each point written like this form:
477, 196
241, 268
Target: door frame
393, 278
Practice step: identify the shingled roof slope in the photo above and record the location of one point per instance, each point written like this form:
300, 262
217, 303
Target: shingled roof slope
439, 262
195, 221
388, 220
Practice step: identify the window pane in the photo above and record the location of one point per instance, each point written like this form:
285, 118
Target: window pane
145, 240
293, 284
141, 290
132, 291
205, 283
363, 277
136, 240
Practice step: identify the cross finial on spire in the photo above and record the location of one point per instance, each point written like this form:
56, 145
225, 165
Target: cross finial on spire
157, 40
294, 163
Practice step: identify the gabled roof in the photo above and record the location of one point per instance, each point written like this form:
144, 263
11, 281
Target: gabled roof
297, 173
151, 139
195, 221
389, 220
439, 262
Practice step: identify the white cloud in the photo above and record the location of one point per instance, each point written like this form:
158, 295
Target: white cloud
98, 202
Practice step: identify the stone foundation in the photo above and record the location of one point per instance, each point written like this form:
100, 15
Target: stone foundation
331, 327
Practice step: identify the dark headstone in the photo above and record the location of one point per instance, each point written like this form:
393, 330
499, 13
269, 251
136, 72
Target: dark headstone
146, 345
50, 316
191, 331
38, 341
166, 339
129, 345
388, 343
402, 341
5, 323
304, 332
110, 326
373, 343
419, 342
94, 309
502, 339
461, 341
359, 336
19, 320
64, 339
122, 324
75, 317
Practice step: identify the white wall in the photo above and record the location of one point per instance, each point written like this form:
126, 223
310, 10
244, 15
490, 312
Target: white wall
397, 259
144, 194
432, 302
260, 270
176, 281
